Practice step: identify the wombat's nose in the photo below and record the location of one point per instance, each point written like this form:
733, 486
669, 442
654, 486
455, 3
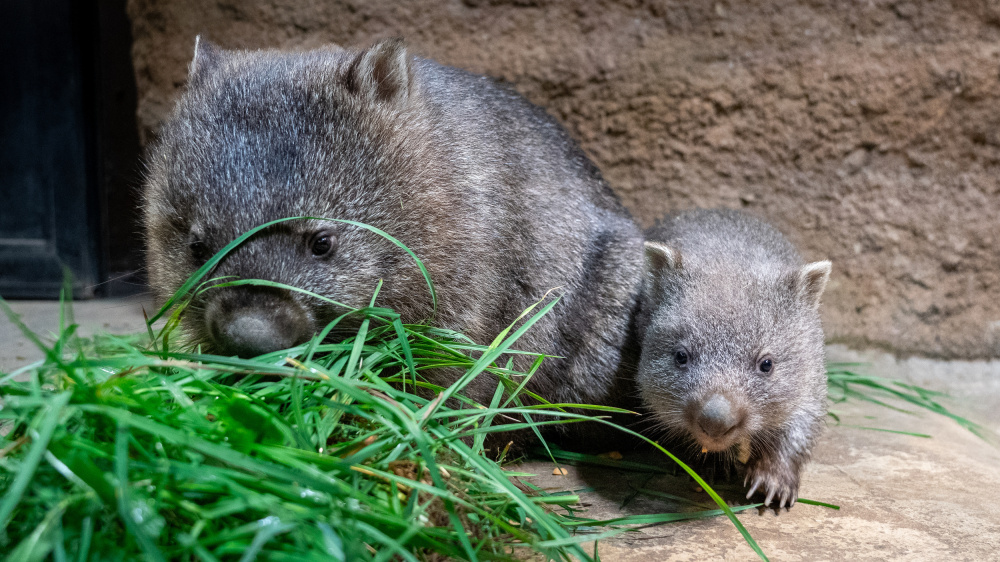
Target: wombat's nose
717, 416
250, 325
250, 333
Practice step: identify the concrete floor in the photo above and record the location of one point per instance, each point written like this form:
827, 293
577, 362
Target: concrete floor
901, 497
112, 316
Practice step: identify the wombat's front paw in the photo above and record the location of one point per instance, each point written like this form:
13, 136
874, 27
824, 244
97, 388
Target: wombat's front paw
778, 479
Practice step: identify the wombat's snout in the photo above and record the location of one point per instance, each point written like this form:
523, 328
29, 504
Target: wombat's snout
718, 418
252, 321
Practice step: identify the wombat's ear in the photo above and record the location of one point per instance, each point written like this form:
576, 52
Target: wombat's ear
810, 281
207, 57
381, 73
660, 257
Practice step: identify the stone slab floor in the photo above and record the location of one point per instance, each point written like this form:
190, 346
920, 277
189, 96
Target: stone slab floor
901, 497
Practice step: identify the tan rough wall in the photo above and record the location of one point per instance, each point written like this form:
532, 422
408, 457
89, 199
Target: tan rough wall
868, 131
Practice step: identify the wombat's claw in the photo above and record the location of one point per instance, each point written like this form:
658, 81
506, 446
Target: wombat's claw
792, 498
786, 495
770, 495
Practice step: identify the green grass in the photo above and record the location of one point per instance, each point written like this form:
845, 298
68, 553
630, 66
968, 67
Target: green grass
115, 450
845, 383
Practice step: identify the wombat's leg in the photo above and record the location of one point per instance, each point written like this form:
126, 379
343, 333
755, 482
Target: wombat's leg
776, 476
774, 467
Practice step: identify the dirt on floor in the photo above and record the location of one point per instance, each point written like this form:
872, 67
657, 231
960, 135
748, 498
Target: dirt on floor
866, 130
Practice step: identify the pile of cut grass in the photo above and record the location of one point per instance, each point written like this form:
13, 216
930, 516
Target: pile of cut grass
122, 448
114, 450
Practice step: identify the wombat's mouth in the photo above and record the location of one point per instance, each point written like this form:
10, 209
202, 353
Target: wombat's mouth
717, 443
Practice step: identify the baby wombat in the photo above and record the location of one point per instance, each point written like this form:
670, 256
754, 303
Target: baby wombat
489, 191
732, 347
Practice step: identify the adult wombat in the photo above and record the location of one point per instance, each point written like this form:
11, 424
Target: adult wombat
732, 346
489, 191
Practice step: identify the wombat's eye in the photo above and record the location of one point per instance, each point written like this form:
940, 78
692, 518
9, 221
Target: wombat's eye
765, 365
322, 244
199, 251
681, 357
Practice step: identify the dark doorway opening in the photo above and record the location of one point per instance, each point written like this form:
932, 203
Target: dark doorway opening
69, 151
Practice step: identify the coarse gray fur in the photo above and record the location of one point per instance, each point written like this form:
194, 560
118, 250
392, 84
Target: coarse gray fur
487, 189
725, 293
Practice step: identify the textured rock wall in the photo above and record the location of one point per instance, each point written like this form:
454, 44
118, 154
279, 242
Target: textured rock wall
866, 130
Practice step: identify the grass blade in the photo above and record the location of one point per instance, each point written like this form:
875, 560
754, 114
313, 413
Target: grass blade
39, 445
